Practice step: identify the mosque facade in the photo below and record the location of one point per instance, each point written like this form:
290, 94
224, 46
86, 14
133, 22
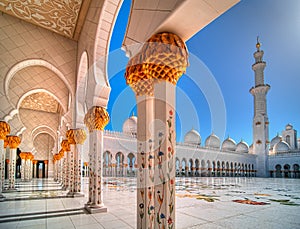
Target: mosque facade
279, 158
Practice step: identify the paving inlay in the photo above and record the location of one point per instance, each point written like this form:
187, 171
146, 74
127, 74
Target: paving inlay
200, 203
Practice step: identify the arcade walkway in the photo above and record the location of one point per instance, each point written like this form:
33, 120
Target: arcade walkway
200, 203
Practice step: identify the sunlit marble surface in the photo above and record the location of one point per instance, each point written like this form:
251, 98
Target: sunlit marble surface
200, 203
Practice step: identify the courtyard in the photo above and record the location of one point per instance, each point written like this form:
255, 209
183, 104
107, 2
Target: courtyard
201, 202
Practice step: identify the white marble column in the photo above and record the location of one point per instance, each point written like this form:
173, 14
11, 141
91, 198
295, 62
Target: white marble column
60, 158
165, 133
34, 168
76, 138
4, 131
113, 168
66, 160
23, 162
2, 167
145, 161
30, 169
46, 162
13, 142
27, 168
55, 169
86, 169
80, 137
96, 119
155, 71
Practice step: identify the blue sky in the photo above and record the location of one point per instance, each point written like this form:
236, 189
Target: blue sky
215, 89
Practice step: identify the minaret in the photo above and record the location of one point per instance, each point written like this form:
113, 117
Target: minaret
260, 119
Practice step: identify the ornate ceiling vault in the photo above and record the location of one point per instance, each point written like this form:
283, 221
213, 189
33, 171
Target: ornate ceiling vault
41, 101
64, 17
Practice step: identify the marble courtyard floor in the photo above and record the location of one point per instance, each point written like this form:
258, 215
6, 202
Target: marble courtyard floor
200, 203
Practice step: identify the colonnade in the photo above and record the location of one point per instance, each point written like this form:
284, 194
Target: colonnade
27, 166
285, 171
67, 163
152, 74
8, 145
207, 168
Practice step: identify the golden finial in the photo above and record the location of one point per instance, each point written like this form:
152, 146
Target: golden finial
257, 43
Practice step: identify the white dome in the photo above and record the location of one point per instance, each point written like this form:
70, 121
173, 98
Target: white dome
275, 140
242, 147
192, 137
213, 141
130, 125
229, 144
281, 147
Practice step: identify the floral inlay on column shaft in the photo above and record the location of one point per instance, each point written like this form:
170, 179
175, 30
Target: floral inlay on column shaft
162, 61
96, 119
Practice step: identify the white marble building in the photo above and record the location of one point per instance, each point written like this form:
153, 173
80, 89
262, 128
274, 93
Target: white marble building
209, 158
278, 158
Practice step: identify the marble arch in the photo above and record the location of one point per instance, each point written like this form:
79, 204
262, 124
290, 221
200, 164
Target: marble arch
40, 90
33, 62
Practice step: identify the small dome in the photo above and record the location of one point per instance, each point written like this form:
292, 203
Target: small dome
213, 141
275, 140
281, 147
288, 127
192, 137
242, 147
229, 144
130, 125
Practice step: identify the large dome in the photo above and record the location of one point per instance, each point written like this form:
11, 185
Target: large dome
275, 140
130, 125
281, 147
192, 137
242, 147
229, 144
213, 141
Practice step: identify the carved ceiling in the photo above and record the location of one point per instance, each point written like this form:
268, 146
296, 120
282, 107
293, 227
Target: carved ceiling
64, 17
41, 101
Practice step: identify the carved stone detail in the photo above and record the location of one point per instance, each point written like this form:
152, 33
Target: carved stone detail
4, 130
96, 118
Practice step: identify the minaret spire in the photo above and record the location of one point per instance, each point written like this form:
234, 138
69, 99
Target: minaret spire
257, 44
260, 118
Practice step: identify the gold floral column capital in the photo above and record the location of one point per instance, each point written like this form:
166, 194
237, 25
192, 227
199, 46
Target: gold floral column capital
96, 118
61, 153
65, 145
70, 137
163, 57
76, 136
166, 57
23, 155
79, 136
137, 76
4, 130
5, 142
13, 141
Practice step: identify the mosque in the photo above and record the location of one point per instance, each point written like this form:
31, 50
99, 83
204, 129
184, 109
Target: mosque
279, 158
55, 90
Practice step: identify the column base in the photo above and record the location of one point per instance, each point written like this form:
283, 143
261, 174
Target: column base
64, 188
2, 198
93, 208
9, 190
75, 194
